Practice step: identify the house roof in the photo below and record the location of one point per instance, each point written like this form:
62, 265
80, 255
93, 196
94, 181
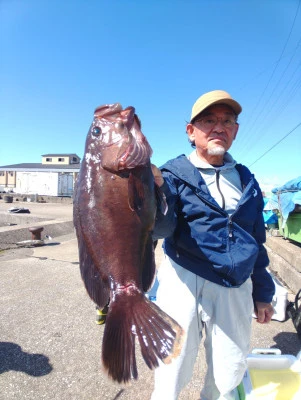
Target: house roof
41, 167
60, 155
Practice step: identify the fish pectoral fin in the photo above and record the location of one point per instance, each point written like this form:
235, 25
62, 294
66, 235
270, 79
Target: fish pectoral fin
97, 289
135, 192
149, 265
161, 200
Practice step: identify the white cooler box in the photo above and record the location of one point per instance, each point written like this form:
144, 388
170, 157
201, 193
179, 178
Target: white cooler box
272, 376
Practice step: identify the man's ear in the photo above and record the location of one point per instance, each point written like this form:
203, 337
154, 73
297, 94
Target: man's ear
190, 132
236, 131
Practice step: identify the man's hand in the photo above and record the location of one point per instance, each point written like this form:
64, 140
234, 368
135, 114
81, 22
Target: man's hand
264, 312
157, 175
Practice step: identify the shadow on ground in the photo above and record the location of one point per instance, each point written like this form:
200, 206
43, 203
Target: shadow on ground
12, 357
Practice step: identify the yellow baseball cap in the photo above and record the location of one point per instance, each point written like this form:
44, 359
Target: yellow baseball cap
214, 97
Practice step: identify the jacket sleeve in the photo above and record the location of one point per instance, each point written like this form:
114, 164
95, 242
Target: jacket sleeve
263, 284
166, 224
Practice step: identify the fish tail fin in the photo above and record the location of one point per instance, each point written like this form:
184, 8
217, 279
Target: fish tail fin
130, 316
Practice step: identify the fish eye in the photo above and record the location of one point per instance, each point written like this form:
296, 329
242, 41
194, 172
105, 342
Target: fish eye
96, 131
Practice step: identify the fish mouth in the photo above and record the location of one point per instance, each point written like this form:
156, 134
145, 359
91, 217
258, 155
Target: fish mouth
137, 153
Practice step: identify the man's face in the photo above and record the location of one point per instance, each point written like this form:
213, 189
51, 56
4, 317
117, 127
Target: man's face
213, 131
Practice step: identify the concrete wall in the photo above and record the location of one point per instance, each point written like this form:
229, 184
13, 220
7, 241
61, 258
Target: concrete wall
285, 261
17, 197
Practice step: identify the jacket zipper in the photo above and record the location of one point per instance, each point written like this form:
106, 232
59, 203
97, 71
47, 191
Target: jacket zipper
217, 171
230, 227
230, 223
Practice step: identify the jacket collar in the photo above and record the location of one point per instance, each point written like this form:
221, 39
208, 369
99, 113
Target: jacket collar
229, 162
182, 168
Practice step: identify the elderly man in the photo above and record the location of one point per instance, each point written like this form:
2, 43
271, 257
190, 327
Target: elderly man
214, 272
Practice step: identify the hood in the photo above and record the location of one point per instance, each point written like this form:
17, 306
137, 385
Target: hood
182, 168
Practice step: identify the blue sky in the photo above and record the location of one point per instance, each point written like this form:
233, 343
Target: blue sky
61, 59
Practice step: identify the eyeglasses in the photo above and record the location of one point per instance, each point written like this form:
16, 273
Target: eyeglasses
210, 121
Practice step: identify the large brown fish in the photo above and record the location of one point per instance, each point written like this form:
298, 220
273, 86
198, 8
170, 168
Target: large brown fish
114, 213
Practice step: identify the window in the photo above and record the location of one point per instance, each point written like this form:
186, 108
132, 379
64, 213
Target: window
48, 159
61, 159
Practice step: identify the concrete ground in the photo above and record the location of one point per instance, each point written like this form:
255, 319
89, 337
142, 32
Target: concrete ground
50, 346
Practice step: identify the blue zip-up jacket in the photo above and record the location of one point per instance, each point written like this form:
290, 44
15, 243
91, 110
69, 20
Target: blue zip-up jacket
201, 236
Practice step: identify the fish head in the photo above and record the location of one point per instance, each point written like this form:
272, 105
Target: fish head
115, 138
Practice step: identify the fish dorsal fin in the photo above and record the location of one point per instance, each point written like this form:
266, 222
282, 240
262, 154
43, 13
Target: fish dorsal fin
136, 192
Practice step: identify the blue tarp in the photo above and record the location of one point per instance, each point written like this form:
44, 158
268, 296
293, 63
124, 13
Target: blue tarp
288, 196
269, 216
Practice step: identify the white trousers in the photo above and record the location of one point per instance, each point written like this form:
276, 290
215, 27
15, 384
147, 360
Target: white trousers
224, 313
